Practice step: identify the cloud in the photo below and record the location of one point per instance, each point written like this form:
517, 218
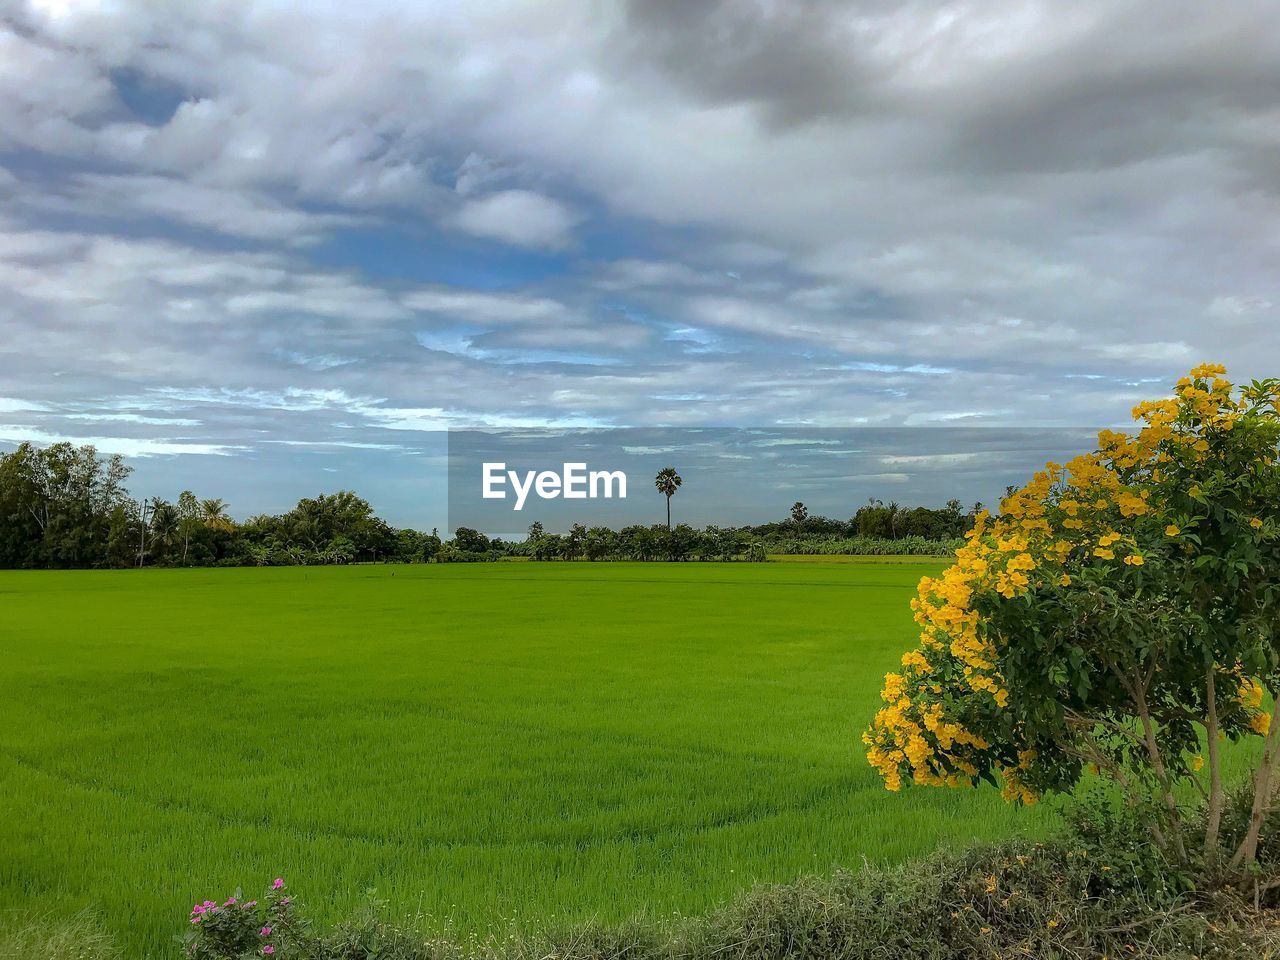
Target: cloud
238, 213
285, 220
480, 307
125, 446
519, 217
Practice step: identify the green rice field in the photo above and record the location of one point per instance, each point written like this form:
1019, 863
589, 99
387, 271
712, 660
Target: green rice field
484, 744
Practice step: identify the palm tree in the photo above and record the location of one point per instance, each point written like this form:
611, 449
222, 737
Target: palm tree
164, 523
214, 515
668, 482
188, 516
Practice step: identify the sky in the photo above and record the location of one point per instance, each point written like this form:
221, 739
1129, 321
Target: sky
269, 249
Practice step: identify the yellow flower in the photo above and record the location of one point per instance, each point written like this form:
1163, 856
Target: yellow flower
1104, 553
1255, 523
1208, 370
1172, 530
1135, 560
1064, 580
1260, 723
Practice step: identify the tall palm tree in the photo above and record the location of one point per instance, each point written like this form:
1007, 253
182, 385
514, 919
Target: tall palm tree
164, 523
668, 482
214, 515
188, 517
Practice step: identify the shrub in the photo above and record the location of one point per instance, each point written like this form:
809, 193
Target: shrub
1119, 612
239, 928
1093, 892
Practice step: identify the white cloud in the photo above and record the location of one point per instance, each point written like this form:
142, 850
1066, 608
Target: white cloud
519, 217
478, 307
125, 446
241, 213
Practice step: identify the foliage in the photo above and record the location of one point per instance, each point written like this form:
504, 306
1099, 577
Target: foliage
62, 506
1084, 896
65, 506
862, 547
239, 929
639, 542
1118, 616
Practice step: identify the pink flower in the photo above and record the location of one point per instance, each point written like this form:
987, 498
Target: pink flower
230, 901
285, 901
268, 949
197, 910
264, 932
249, 905
279, 884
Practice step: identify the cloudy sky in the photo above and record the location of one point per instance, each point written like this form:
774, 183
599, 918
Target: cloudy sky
267, 249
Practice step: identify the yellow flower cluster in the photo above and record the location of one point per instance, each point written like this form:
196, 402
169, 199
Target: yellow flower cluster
1067, 519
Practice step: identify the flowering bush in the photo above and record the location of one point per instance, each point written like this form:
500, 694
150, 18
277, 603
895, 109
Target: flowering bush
237, 928
1118, 616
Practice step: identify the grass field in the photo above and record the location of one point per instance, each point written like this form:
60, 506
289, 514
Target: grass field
544, 742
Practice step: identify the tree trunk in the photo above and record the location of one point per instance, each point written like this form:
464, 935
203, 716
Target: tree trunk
1216, 799
1161, 772
1263, 788
668, 513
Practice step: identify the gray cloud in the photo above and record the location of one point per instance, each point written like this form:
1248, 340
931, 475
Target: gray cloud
286, 223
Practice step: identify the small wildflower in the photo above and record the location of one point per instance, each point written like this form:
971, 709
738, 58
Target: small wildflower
279, 884
268, 949
1255, 523
1172, 530
264, 932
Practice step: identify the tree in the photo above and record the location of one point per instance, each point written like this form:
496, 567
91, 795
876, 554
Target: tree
1119, 613
600, 542
470, 541
668, 482
57, 504
165, 524
575, 542
799, 513
189, 515
214, 515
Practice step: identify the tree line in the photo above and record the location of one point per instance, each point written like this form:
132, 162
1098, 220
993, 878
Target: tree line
67, 506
